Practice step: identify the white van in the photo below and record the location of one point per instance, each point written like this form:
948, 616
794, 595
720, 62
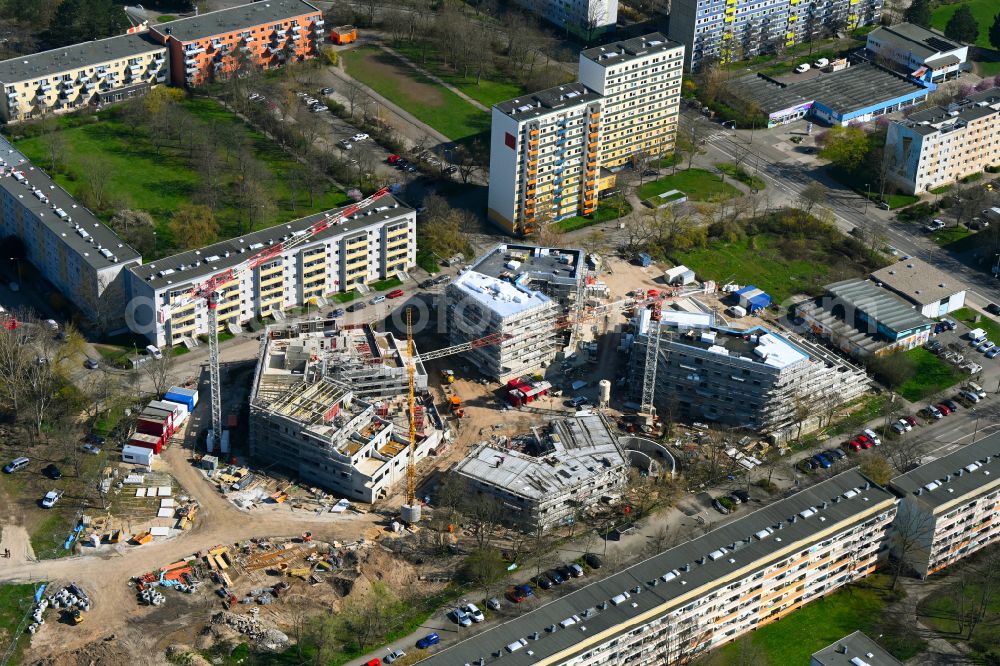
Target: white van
153, 351
977, 335
977, 389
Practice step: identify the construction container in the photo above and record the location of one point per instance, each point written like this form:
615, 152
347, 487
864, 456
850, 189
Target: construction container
145, 441
158, 426
645, 259
224, 442
343, 34
752, 298
178, 410
138, 455
679, 275
185, 396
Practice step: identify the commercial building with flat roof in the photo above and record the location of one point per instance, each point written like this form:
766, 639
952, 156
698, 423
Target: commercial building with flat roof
303, 420
934, 292
704, 593
375, 243
552, 152
543, 479
515, 293
949, 507
938, 146
752, 378
856, 94
81, 75
913, 48
863, 319
69, 246
264, 34
855, 649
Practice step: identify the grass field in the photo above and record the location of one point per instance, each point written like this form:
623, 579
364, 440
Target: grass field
932, 375
602, 214
794, 638
345, 297
983, 10
386, 284
430, 102
140, 177
15, 601
759, 261
697, 184
950, 235
967, 317
740, 174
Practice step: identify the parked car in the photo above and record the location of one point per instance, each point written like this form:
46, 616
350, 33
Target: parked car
360, 136
832, 454
459, 617
451, 169
378, 299
949, 323
853, 446
91, 364
872, 436
593, 560
473, 612
493, 604
393, 656
993, 309
741, 494
91, 449
575, 570
898, 427
912, 420
395, 293
993, 352
934, 412
345, 144
822, 461
821, 63
943, 408
951, 404
339, 312
803, 68
934, 346
905, 425
354, 307
519, 593
865, 441
542, 581
51, 498
985, 346
428, 640
52, 472
153, 351
373, 662
720, 507
971, 396
16, 464
578, 401
326, 91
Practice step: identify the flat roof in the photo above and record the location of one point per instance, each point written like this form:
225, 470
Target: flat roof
954, 116
624, 50
953, 476
224, 21
880, 304
183, 268
76, 227
581, 448
76, 56
557, 98
916, 280
855, 649
850, 89
750, 540
497, 295
549, 264
915, 39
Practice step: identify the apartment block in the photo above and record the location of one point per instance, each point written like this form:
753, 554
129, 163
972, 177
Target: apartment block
752, 378
706, 592
584, 18
949, 507
729, 30
82, 75
941, 145
262, 34
65, 242
372, 364
639, 80
515, 293
554, 151
544, 479
862, 319
376, 242
303, 421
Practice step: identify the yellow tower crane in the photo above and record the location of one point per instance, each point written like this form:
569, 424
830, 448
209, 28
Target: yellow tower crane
411, 509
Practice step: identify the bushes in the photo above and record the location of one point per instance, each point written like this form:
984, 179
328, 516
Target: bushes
918, 212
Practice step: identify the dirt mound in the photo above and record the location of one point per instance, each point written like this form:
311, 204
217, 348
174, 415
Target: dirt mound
106, 652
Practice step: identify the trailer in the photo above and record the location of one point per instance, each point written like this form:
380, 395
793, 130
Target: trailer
138, 455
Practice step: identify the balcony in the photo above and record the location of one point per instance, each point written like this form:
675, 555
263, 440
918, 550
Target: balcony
318, 23
194, 51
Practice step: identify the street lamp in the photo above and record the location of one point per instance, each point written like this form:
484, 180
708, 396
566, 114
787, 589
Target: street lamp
975, 432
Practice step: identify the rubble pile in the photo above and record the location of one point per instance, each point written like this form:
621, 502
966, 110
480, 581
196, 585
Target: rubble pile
249, 625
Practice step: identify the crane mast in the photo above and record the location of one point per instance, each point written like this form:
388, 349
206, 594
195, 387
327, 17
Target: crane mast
410, 511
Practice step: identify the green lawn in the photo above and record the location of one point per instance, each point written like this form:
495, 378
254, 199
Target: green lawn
602, 214
950, 235
759, 261
345, 297
944, 189
385, 285
987, 323
983, 10
988, 69
697, 184
428, 101
15, 601
793, 638
939, 611
492, 88
932, 375
166, 17
748, 179
143, 178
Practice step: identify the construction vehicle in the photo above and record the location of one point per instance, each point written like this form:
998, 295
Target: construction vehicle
76, 617
455, 406
210, 289
448, 376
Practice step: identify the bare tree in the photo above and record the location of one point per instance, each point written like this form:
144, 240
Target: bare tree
911, 538
812, 195
157, 372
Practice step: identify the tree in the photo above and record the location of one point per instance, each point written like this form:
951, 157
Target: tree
962, 26
135, 227
911, 537
194, 226
994, 33
76, 21
157, 371
673, 229
366, 619
877, 468
484, 568
918, 13
846, 147
812, 194
690, 142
